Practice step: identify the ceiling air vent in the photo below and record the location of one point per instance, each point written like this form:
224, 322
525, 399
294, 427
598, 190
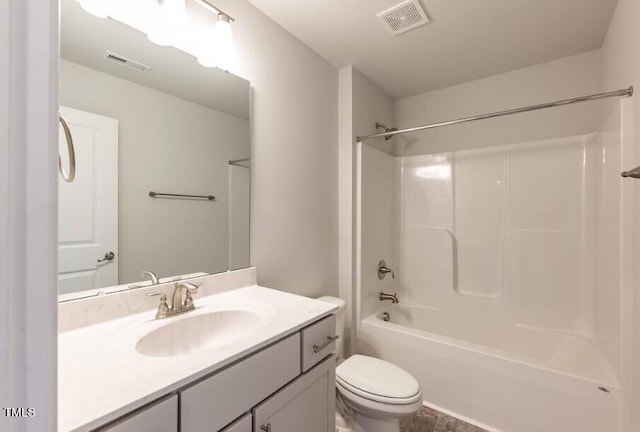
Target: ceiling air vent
403, 17
126, 62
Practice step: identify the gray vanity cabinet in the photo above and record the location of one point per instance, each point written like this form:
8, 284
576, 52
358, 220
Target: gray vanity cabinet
288, 386
307, 404
161, 416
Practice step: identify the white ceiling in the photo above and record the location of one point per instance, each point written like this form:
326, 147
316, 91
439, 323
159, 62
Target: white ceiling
85, 38
466, 40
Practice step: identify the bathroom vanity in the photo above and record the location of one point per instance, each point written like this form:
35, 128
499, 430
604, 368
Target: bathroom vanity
248, 358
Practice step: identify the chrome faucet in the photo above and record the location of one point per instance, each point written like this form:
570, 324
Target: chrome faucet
385, 296
155, 280
178, 304
383, 270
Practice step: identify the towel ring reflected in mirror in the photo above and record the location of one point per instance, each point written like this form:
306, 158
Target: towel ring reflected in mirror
68, 177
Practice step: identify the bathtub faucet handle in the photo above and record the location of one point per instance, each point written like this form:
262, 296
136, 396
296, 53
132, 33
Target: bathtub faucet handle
385, 296
383, 270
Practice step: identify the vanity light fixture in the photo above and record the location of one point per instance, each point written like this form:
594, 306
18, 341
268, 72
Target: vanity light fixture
224, 42
166, 22
220, 51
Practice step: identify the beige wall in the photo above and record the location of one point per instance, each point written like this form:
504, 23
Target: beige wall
559, 79
177, 146
294, 178
371, 105
362, 104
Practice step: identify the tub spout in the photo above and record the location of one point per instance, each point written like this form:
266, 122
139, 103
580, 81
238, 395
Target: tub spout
385, 296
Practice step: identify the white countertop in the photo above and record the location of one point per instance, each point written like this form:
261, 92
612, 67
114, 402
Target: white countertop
101, 376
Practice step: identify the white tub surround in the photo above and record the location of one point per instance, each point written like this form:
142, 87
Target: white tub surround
103, 376
511, 256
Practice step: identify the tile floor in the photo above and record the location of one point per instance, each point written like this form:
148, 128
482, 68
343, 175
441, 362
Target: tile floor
430, 420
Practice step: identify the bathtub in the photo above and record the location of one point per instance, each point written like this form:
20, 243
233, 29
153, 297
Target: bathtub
507, 378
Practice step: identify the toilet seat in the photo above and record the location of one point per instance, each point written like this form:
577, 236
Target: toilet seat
378, 398
375, 409
377, 380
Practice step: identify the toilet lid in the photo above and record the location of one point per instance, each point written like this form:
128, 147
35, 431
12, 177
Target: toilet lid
376, 379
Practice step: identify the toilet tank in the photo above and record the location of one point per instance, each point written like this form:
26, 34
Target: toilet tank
339, 320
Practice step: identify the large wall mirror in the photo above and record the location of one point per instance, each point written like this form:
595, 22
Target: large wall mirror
147, 120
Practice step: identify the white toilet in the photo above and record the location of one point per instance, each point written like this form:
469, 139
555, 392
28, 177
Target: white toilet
378, 392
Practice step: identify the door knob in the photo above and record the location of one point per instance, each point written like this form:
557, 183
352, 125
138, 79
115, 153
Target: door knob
266, 428
107, 257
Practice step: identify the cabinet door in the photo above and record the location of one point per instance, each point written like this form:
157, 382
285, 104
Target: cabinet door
159, 417
307, 404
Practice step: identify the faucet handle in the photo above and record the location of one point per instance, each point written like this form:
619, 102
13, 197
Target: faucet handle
192, 288
383, 270
163, 307
188, 300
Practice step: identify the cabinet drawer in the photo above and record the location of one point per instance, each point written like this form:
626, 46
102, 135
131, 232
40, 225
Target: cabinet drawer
159, 417
318, 341
216, 401
243, 424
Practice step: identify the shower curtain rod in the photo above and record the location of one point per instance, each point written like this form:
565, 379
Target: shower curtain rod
616, 93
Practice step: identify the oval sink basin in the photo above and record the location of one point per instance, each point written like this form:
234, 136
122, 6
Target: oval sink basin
197, 333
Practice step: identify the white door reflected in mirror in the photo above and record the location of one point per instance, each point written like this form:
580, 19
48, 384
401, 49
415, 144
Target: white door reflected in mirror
88, 207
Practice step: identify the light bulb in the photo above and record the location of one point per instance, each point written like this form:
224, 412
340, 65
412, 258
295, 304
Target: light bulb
136, 14
95, 7
224, 42
208, 58
204, 41
169, 23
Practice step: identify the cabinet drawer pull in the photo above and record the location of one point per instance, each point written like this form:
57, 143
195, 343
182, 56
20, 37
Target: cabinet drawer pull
266, 428
330, 340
